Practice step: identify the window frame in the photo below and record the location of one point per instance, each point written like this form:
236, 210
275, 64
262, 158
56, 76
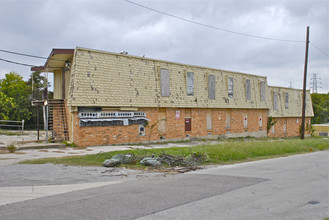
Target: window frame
230, 87
286, 100
190, 83
212, 87
275, 100
248, 89
262, 91
165, 82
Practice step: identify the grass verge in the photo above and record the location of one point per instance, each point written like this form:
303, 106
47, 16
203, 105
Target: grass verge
224, 153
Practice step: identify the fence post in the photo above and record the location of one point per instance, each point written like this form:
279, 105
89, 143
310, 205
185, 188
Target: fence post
22, 126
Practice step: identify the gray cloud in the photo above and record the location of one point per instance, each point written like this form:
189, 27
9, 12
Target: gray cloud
35, 27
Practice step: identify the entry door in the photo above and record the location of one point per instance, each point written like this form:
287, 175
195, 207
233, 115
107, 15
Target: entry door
188, 124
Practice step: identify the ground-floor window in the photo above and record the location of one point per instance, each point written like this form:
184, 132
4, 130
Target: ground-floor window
260, 120
228, 118
245, 120
209, 120
141, 130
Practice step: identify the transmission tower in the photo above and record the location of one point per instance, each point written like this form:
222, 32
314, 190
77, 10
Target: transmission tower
315, 81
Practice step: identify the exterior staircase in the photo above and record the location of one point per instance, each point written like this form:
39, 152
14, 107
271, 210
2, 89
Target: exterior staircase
57, 121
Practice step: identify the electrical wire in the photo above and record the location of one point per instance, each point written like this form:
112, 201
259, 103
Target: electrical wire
18, 63
319, 49
24, 64
28, 55
212, 27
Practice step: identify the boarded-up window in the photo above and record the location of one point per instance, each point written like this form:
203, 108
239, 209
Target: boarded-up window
248, 89
275, 100
211, 87
162, 121
190, 83
230, 87
228, 118
273, 129
209, 119
165, 82
286, 97
284, 127
245, 120
260, 120
262, 91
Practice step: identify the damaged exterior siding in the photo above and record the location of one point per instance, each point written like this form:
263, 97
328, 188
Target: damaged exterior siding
120, 82
294, 102
107, 79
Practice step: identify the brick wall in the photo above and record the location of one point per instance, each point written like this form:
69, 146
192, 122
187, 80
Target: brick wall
290, 124
174, 126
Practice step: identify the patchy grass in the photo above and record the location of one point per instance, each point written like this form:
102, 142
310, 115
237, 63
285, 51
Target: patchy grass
225, 153
12, 133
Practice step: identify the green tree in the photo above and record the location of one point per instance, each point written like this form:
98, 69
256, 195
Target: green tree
14, 87
6, 106
37, 81
320, 108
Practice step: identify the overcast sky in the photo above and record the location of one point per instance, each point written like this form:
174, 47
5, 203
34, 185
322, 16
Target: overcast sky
35, 27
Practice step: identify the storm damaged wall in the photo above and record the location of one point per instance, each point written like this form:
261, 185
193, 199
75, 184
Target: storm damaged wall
287, 102
107, 79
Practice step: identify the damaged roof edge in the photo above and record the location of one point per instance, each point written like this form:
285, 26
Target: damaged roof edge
53, 52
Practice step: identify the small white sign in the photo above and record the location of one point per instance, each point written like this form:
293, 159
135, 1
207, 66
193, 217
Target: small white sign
177, 114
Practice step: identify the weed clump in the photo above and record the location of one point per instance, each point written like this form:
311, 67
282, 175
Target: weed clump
11, 148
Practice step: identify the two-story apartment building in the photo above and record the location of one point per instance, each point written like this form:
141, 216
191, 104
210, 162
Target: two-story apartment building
105, 98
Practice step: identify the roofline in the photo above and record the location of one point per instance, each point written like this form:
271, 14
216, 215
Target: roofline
281, 87
54, 51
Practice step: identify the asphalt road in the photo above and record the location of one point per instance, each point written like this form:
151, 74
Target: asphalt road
294, 187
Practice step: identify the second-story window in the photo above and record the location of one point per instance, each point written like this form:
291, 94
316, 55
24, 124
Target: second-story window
248, 90
190, 83
262, 90
211, 87
275, 100
230, 87
286, 97
165, 82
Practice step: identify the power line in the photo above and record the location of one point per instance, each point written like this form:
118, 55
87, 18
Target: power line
24, 64
212, 27
18, 63
319, 49
29, 55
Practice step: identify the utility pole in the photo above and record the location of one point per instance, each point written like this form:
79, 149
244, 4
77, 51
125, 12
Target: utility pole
290, 84
304, 84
